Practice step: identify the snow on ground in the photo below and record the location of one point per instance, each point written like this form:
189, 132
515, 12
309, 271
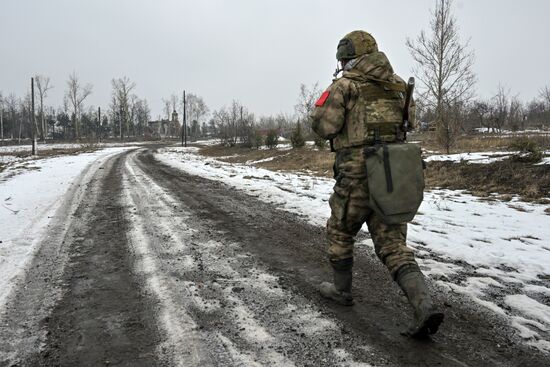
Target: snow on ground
40, 146
11, 154
51, 146
30, 194
497, 253
510, 132
481, 157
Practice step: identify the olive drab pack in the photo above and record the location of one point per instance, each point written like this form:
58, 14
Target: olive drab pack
395, 176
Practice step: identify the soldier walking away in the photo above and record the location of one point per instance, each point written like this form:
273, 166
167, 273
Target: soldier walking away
366, 114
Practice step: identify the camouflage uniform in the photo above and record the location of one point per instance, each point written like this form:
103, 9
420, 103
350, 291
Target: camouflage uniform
363, 107
354, 109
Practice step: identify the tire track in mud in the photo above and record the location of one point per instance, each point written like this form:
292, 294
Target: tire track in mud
240, 310
293, 251
101, 318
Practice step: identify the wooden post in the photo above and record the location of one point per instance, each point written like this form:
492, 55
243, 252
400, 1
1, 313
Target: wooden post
120, 122
33, 121
99, 124
242, 123
182, 120
2, 125
184, 130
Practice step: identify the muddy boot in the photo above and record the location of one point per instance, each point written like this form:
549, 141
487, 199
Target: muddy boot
426, 318
340, 291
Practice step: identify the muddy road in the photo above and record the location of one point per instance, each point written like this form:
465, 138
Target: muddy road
149, 266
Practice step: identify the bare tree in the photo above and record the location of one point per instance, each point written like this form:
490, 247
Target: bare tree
480, 110
11, 103
516, 114
306, 101
501, 105
167, 108
142, 115
444, 66
76, 94
43, 86
1, 119
544, 94
25, 118
221, 121
121, 100
196, 111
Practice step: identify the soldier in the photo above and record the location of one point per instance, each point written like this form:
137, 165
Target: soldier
362, 108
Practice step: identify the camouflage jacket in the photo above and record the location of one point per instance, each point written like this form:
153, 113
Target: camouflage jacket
366, 101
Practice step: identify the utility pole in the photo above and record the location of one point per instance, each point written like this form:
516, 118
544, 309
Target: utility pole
33, 122
2, 125
242, 123
120, 122
99, 124
184, 129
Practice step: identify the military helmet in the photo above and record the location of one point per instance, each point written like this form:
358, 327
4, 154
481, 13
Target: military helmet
355, 44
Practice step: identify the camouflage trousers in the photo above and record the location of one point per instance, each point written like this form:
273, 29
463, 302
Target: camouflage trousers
349, 210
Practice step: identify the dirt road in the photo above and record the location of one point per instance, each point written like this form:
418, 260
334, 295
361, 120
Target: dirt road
150, 266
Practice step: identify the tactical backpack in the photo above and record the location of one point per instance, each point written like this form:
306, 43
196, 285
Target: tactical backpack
376, 115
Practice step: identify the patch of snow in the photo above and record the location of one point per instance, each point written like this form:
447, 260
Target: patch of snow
268, 159
346, 359
530, 307
537, 289
206, 142
481, 157
9, 159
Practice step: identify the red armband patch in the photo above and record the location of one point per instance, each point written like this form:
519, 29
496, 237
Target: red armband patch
321, 101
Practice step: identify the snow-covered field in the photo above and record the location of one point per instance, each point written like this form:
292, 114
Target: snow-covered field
497, 253
30, 194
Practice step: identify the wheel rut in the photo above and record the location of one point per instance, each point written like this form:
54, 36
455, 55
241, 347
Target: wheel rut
102, 318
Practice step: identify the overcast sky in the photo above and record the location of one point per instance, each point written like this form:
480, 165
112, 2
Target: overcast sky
255, 51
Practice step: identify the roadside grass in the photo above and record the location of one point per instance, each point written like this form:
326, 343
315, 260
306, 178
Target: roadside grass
508, 177
500, 180
306, 159
481, 142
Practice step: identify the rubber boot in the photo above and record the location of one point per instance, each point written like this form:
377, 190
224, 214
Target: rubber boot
426, 318
340, 290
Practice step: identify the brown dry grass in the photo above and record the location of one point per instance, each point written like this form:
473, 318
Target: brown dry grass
306, 159
480, 142
530, 181
507, 178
